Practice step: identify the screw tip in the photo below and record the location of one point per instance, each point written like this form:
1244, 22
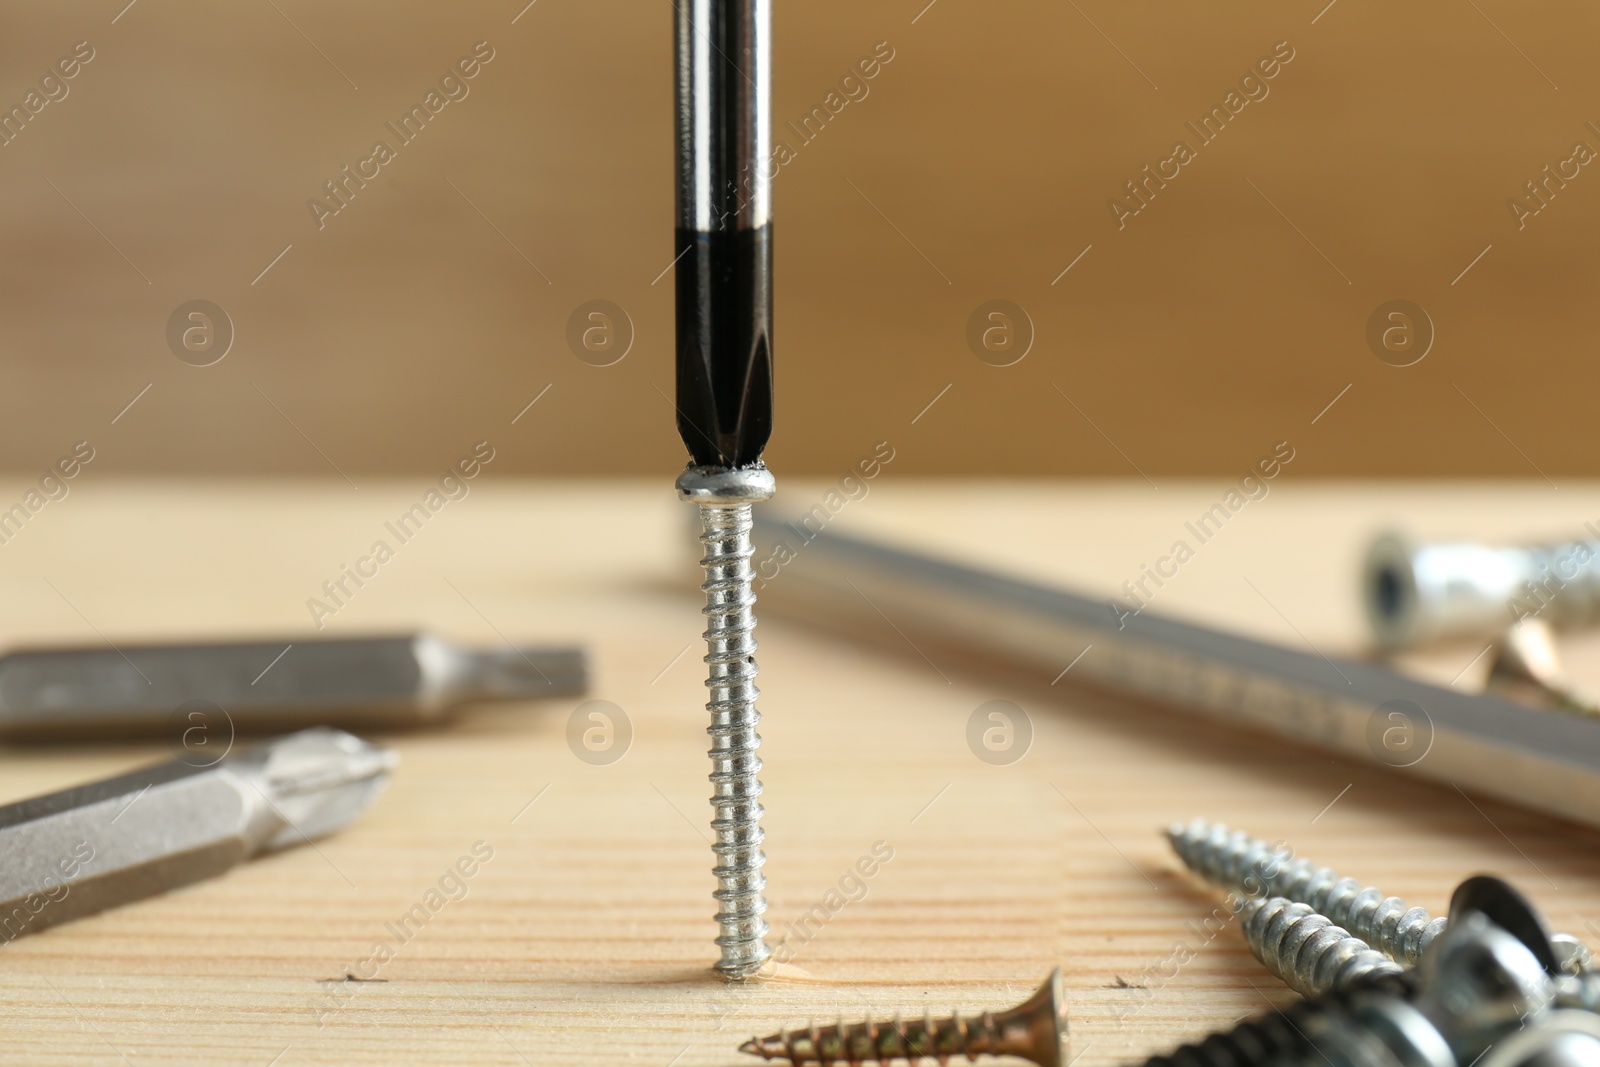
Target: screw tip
744, 970
753, 1048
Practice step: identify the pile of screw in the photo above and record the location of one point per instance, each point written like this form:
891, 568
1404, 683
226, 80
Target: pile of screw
1388, 985
1385, 984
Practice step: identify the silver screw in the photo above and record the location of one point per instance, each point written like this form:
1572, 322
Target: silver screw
1248, 865
1306, 949
725, 498
1477, 984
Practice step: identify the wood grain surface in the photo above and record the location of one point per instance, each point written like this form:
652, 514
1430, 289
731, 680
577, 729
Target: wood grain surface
585, 939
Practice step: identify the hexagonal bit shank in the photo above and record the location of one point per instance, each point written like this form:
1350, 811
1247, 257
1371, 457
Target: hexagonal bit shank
406, 679
95, 846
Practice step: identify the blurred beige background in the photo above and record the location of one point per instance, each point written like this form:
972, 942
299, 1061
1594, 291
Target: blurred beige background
1226, 316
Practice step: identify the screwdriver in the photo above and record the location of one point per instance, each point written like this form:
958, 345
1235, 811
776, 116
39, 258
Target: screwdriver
724, 402
97, 846
409, 679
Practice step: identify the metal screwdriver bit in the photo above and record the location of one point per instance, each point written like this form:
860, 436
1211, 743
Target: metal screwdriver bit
96, 846
724, 385
87, 693
724, 230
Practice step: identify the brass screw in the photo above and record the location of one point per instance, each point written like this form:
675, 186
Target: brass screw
1034, 1030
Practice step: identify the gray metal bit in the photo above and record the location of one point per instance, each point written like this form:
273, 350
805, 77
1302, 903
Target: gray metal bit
269, 686
95, 846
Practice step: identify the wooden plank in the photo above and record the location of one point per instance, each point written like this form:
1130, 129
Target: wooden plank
586, 937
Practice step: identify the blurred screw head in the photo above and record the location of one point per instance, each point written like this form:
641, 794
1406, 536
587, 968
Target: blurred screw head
1399, 332
199, 332
599, 732
200, 733
1399, 733
600, 333
1000, 333
999, 732
1571, 955
712, 487
1567, 1038
1036, 1029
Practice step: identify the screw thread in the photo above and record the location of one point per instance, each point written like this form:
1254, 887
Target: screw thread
872, 1042
1251, 866
1273, 1039
736, 787
1306, 949
1034, 1030
1309, 1033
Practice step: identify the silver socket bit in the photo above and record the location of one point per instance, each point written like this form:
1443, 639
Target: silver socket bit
92, 847
1416, 593
268, 686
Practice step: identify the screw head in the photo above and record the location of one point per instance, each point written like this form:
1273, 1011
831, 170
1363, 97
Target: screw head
1036, 1029
1501, 904
721, 487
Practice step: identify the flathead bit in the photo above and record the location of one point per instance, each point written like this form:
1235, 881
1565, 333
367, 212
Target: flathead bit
1034, 1030
266, 686
95, 846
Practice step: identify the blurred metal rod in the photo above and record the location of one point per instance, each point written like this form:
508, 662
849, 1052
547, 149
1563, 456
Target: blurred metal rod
1416, 593
404, 680
1544, 759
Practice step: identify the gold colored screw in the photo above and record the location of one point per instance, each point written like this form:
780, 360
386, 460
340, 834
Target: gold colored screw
1033, 1030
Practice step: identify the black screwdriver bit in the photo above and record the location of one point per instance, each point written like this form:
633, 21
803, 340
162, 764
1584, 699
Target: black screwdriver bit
724, 237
